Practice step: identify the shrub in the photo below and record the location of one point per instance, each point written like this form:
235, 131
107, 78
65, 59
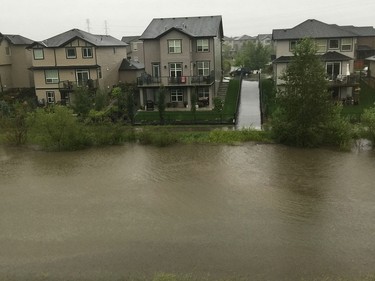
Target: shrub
368, 122
156, 137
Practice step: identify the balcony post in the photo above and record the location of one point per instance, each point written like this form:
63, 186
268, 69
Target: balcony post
141, 101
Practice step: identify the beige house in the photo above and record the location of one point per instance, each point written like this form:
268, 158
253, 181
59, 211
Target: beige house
336, 48
15, 61
184, 55
134, 48
75, 59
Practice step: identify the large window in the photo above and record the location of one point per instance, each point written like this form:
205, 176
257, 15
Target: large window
71, 53
203, 93
82, 76
52, 76
202, 45
177, 95
333, 69
50, 97
38, 54
156, 70
203, 68
292, 45
175, 69
346, 44
321, 45
174, 46
333, 44
87, 52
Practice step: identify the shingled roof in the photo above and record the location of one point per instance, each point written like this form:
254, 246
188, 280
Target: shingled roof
15, 39
206, 26
71, 35
316, 29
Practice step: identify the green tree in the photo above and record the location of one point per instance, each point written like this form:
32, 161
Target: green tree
130, 106
13, 121
161, 104
306, 115
57, 128
368, 122
253, 56
82, 101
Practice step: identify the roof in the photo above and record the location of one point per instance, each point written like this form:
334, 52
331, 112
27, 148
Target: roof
129, 39
69, 36
206, 26
329, 56
317, 29
131, 65
16, 39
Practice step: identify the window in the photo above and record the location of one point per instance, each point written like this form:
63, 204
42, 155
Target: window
203, 68
38, 54
71, 53
176, 95
100, 73
114, 50
321, 45
7, 51
87, 52
82, 76
174, 46
202, 45
333, 69
134, 46
52, 76
50, 97
346, 44
203, 93
156, 70
292, 45
333, 44
175, 69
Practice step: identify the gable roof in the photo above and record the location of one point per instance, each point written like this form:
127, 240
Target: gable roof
316, 29
329, 56
69, 36
207, 26
129, 39
15, 39
131, 65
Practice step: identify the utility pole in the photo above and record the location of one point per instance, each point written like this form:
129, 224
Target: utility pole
106, 27
88, 25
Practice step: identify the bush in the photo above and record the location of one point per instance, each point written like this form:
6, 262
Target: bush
368, 122
156, 137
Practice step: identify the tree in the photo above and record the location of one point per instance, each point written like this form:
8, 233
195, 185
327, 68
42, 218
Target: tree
82, 101
13, 120
306, 115
253, 56
161, 104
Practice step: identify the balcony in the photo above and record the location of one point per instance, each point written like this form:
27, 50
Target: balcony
70, 86
150, 81
343, 81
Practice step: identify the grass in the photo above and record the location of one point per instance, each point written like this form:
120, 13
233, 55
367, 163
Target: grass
366, 100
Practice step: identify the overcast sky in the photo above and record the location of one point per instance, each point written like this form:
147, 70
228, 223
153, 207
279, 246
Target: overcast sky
42, 19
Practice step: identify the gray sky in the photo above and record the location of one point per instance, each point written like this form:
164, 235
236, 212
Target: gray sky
41, 19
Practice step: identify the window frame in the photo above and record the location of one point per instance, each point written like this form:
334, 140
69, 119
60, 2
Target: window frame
85, 50
203, 68
203, 93
174, 49
321, 45
177, 95
201, 47
334, 40
174, 69
51, 80
332, 64
346, 44
8, 51
68, 49
50, 99
42, 54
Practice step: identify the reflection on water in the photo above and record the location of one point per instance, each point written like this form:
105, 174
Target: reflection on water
265, 211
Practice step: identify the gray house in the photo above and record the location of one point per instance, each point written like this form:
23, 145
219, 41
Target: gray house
337, 48
185, 56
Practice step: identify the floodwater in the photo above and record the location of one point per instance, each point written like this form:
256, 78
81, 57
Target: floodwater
262, 212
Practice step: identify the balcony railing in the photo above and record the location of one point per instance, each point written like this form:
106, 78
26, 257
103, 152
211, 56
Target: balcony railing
343, 81
71, 86
148, 80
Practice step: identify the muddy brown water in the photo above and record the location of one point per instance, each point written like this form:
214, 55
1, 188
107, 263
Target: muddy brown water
264, 212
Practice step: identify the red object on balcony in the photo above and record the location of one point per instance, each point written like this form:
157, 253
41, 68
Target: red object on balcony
183, 79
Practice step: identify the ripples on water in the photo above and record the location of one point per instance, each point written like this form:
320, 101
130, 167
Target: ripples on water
266, 211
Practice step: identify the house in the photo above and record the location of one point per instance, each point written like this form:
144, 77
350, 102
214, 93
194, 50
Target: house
130, 70
74, 59
337, 48
15, 62
134, 48
185, 56
264, 39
